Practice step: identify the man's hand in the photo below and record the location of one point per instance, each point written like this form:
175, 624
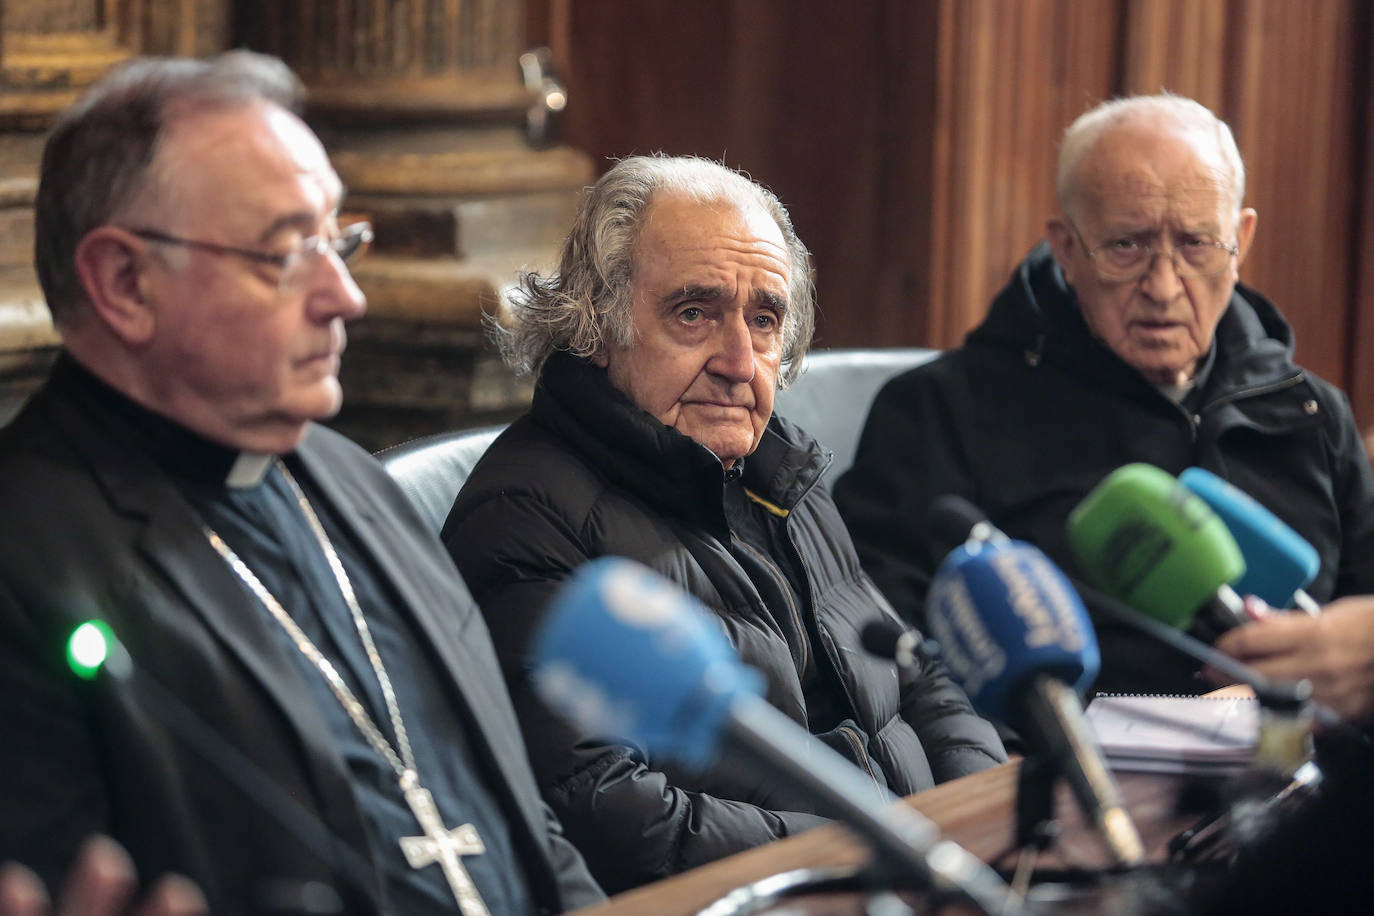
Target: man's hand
101, 883
1335, 651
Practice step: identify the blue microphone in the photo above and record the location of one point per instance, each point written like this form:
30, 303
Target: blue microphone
1011, 615
1015, 635
1279, 562
629, 656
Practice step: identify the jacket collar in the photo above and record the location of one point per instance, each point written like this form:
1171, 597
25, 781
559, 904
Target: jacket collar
176, 449
1038, 315
658, 464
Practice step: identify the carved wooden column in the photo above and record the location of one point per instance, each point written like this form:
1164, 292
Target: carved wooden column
428, 119
50, 51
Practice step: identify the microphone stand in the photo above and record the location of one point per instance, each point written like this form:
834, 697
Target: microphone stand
905, 842
1271, 694
1036, 827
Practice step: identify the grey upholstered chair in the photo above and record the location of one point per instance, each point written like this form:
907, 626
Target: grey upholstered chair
830, 401
432, 469
831, 398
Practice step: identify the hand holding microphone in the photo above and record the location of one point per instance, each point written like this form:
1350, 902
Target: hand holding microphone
1334, 652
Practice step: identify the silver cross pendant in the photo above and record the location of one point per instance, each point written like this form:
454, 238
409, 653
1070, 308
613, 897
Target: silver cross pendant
447, 847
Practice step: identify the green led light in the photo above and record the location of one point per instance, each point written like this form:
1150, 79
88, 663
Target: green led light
89, 647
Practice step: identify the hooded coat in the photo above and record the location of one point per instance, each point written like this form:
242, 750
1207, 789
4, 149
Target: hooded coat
587, 474
1033, 412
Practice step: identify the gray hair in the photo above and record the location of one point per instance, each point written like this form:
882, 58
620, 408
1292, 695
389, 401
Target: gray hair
99, 157
584, 306
1187, 114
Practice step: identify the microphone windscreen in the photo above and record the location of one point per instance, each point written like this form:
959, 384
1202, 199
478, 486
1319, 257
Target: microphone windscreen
879, 637
1278, 561
1148, 540
1003, 613
952, 518
628, 655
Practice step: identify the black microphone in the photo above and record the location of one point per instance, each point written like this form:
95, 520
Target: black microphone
886, 638
955, 520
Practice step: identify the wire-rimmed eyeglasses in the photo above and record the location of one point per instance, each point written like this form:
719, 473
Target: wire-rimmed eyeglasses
295, 265
1130, 258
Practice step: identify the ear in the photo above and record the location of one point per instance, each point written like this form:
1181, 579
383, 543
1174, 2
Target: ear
111, 262
601, 359
1062, 242
1245, 233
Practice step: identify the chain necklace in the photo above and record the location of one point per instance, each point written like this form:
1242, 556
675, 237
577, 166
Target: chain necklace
438, 844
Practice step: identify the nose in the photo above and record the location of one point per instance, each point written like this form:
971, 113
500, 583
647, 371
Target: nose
333, 293
733, 358
1161, 281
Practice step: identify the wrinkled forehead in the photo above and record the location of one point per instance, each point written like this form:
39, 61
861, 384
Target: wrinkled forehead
1135, 174
687, 227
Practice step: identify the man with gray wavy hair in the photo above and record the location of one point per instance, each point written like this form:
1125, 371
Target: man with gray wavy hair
586, 307
682, 302
1124, 337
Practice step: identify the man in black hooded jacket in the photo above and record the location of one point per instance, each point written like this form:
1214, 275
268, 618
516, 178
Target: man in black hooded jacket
1123, 338
682, 301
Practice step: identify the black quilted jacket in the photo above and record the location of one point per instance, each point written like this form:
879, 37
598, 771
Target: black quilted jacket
1032, 412
586, 474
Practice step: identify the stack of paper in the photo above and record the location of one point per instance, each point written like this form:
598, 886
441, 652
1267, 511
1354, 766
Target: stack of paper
1176, 734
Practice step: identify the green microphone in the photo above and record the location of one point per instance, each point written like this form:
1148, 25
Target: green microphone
1149, 541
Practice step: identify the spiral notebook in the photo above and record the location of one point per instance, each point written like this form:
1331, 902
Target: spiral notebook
1175, 734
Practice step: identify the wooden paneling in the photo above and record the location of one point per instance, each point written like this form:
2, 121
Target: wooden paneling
800, 101
1011, 76
1178, 45
1361, 343
912, 140
1296, 110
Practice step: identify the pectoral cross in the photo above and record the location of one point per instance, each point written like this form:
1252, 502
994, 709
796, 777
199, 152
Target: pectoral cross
447, 847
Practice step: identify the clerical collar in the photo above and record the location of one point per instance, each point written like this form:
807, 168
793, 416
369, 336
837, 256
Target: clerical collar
176, 449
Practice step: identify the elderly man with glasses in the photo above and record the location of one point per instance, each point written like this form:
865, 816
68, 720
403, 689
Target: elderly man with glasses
301, 709
1124, 337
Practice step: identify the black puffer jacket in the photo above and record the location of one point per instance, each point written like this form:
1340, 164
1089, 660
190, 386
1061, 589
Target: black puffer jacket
587, 474
1032, 412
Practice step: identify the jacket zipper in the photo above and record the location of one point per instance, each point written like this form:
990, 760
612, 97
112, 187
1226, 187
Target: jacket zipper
811, 589
1252, 392
786, 591
1195, 419
862, 753
849, 733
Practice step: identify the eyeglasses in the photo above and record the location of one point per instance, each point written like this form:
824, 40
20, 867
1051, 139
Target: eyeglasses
1128, 258
296, 265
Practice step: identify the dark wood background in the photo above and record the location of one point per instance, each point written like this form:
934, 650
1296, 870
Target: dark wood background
914, 140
